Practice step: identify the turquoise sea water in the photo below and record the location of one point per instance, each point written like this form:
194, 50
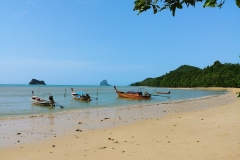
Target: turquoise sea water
15, 99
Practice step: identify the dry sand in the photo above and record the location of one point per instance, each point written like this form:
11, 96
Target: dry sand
188, 130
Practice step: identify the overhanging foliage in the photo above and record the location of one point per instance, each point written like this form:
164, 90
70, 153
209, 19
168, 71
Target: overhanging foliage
172, 5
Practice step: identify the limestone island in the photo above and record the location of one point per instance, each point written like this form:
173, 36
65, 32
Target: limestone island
104, 83
36, 82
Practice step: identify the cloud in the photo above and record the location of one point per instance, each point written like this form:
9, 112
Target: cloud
20, 70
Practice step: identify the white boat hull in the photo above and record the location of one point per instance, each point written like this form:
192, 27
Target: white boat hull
40, 101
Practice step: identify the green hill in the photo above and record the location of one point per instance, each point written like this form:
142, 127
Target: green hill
217, 75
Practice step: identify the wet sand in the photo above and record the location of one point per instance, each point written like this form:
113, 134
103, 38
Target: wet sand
199, 129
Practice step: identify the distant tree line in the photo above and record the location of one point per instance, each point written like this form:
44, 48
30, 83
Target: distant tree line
217, 75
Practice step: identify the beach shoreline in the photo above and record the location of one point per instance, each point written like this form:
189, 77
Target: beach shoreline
76, 132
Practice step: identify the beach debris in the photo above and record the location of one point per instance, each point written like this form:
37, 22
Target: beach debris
116, 142
53, 145
103, 147
110, 139
18, 141
123, 151
18, 133
79, 122
79, 130
105, 119
32, 116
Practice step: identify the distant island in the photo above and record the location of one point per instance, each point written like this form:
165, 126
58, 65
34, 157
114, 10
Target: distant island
36, 82
104, 83
217, 75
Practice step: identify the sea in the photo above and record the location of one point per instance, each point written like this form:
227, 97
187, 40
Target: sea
15, 100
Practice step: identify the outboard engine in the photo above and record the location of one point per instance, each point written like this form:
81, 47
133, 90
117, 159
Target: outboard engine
52, 100
146, 93
87, 96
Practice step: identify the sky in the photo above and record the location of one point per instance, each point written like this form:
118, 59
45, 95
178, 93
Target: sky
82, 42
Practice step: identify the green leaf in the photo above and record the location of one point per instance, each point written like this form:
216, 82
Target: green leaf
155, 2
238, 3
210, 3
163, 8
154, 9
179, 5
173, 9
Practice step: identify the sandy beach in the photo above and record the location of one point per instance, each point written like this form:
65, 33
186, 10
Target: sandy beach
201, 129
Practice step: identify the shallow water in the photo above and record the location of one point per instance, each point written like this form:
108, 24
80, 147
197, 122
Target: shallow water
15, 99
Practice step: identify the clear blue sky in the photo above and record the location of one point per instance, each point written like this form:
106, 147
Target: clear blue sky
83, 42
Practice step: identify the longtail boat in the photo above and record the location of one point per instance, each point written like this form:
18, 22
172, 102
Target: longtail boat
133, 94
41, 101
163, 92
81, 96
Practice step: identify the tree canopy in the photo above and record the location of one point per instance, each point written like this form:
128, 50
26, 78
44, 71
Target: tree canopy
217, 75
172, 5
